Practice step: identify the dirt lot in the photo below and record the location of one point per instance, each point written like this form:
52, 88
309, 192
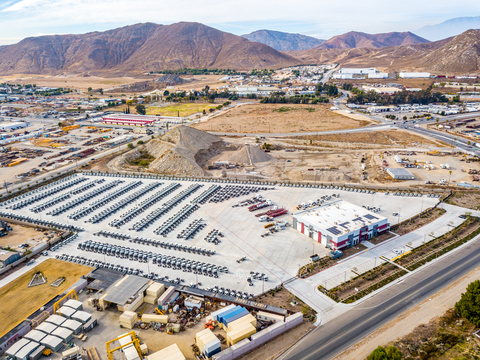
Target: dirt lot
405, 324
396, 138
13, 311
326, 262
470, 199
417, 222
24, 234
280, 118
74, 82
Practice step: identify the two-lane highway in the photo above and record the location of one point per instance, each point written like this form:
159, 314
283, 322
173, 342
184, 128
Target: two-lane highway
344, 331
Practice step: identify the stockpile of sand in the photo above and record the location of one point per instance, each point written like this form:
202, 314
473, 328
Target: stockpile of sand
241, 156
178, 152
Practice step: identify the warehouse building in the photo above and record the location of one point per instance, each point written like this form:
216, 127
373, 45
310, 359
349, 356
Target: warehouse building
340, 224
414, 75
8, 257
130, 120
13, 125
400, 174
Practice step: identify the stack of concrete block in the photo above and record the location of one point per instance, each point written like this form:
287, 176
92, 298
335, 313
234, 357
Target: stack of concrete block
154, 291
148, 318
165, 296
128, 319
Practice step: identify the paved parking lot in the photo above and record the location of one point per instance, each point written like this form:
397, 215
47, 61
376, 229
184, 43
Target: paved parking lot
278, 256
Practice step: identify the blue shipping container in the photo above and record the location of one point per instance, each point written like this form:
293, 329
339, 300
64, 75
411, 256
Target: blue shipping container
231, 311
236, 317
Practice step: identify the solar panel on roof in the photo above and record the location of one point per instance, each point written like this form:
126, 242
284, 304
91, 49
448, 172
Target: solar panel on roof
334, 230
358, 219
343, 225
370, 217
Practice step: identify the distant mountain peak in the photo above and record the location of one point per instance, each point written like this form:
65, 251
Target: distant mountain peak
355, 39
283, 41
448, 28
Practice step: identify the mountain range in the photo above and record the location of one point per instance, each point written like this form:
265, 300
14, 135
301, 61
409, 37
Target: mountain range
452, 27
354, 39
139, 48
149, 47
282, 41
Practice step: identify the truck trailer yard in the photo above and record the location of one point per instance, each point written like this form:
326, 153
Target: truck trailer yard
243, 249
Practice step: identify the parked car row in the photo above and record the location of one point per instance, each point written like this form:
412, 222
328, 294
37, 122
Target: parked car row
104, 200
124, 202
51, 190
176, 220
233, 191
157, 243
84, 198
191, 230
86, 186
129, 215
228, 292
212, 236
35, 221
170, 204
50, 203
64, 242
207, 194
123, 252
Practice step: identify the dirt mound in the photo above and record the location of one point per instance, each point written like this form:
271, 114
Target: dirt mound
180, 152
247, 153
171, 79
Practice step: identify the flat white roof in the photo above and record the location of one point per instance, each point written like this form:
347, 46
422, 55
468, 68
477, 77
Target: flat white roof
339, 218
47, 328
66, 311
27, 350
74, 304
81, 315
35, 335
51, 341
72, 324
12, 350
62, 333
56, 319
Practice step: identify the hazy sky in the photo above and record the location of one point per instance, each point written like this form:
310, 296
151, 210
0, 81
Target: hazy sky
319, 18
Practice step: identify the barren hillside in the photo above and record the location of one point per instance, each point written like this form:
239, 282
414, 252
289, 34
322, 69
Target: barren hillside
139, 48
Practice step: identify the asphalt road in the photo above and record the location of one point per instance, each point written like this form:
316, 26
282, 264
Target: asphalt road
339, 334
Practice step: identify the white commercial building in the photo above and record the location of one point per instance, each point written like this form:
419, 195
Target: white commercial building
340, 224
13, 125
378, 76
414, 75
358, 71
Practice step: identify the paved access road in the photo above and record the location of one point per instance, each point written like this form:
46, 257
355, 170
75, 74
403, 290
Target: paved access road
337, 335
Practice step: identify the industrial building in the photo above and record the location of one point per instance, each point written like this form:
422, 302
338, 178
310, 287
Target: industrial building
351, 73
340, 224
414, 75
400, 174
8, 257
378, 76
13, 125
130, 120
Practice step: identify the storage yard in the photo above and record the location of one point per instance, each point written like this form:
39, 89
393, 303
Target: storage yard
168, 241
13, 310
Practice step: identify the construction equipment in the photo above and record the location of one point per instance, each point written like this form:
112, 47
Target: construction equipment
159, 312
169, 331
135, 341
56, 306
47, 352
209, 325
